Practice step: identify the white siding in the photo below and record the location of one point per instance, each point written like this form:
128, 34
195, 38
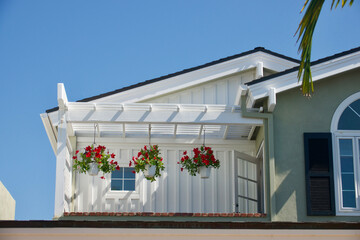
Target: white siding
221, 91
175, 191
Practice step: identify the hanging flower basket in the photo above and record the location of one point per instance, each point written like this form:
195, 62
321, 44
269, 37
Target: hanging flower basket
93, 160
204, 171
149, 170
148, 158
201, 162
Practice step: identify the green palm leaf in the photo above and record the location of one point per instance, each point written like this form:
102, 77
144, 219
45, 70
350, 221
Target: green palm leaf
306, 30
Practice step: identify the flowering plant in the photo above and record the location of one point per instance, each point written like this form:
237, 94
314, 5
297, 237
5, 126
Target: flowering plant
95, 155
148, 156
202, 157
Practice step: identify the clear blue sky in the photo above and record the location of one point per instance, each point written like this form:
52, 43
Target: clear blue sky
98, 46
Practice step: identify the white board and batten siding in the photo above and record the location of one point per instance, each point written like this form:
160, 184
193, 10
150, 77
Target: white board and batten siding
222, 91
174, 191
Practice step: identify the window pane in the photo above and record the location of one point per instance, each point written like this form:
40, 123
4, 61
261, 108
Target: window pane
347, 164
348, 181
347, 172
129, 185
349, 199
128, 172
346, 147
117, 173
116, 185
350, 119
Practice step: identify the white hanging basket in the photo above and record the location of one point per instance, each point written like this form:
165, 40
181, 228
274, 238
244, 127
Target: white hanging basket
94, 170
205, 172
149, 170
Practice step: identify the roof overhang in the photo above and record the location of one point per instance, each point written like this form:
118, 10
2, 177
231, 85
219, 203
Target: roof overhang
288, 79
200, 76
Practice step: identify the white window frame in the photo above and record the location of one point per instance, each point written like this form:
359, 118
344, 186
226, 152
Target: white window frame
345, 134
122, 194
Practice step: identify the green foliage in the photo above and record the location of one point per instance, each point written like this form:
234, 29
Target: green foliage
97, 155
306, 30
148, 156
202, 157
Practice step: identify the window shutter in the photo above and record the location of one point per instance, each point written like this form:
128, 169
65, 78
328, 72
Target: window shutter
319, 175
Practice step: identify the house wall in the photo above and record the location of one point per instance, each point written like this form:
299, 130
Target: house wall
7, 204
174, 191
221, 91
294, 115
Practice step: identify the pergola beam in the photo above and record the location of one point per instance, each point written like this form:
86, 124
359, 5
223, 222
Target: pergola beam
156, 114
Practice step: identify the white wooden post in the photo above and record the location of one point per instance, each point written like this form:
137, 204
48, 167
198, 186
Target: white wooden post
61, 154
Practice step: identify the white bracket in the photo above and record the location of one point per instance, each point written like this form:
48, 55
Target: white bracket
272, 99
259, 70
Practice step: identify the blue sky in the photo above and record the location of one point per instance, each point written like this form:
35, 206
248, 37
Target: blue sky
98, 46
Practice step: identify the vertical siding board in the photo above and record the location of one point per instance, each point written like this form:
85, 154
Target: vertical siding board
221, 93
165, 182
172, 192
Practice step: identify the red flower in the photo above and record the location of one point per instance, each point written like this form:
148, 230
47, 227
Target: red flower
117, 168
97, 155
77, 151
102, 177
139, 154
130, 163
88, 154
115, 163
184, 153
145, 148
112, 155
74, 157
133, 172
88, 149
182, 169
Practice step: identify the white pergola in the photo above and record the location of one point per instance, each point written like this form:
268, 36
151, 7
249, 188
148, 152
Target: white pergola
140, 120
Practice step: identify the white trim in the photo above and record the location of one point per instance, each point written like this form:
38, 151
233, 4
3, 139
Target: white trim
340, 109
354, 135
319, 71
196, 77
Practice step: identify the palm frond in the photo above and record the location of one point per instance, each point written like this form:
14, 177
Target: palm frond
306, 30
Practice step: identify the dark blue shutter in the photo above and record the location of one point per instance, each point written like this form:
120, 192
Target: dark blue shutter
319, 175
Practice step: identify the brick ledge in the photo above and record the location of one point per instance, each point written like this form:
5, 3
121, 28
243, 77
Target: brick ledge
157, 214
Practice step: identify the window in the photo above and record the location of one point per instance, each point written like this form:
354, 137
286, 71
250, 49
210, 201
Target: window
346, 129
123, 179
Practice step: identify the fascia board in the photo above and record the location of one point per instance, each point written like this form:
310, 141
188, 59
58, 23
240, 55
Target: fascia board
188, 80
49, 131
319, 71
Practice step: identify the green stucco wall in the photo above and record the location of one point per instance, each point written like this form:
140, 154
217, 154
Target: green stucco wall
294, 115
